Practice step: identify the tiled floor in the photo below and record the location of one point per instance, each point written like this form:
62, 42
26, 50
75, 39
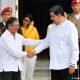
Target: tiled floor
42, 71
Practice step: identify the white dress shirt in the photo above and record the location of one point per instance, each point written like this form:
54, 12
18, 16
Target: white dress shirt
63, 42
11, 51
4, 23
49, 28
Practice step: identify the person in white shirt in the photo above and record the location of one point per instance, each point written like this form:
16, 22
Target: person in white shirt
11, 53
75, 18
50, 25
49, 28
63, 42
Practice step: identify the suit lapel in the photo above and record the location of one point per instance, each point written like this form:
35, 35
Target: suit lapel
2, 28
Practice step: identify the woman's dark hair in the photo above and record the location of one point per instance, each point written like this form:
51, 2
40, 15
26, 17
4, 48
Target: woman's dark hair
10, 21
57, 10
29, 16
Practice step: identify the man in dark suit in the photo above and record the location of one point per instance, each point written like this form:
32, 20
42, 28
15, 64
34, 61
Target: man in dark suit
5, 14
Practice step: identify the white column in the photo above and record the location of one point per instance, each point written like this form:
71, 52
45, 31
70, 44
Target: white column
12, 3
17, 9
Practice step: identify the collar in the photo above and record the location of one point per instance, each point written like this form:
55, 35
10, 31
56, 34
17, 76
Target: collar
9, 33
24, 27
77, 16
4, 23
62, 22
29, 29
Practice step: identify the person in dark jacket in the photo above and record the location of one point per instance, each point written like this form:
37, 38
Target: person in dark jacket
6, 13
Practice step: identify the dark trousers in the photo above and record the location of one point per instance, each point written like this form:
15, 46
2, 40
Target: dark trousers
10, 75
79, 65
60, 74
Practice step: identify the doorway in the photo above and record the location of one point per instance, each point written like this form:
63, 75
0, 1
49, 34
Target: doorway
40, 11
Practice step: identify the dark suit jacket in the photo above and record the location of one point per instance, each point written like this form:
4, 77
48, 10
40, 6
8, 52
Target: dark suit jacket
2, 28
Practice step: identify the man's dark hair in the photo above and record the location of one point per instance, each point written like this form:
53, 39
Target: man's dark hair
57, 10
29, 16
10, 21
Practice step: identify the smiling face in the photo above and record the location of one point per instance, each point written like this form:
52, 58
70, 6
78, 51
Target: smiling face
76, 8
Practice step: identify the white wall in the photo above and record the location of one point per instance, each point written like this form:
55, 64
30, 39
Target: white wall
10, 3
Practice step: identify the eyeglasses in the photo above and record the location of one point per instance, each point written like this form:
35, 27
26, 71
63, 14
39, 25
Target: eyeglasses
26, 20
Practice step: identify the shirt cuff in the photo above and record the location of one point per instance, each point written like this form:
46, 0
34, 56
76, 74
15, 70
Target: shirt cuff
35, 51
73, 65
24, 54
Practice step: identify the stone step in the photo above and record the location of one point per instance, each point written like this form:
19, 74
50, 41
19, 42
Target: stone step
42, 64
42, 74
42, 78
42, 71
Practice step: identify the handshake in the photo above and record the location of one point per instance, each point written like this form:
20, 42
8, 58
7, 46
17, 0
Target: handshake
30, 54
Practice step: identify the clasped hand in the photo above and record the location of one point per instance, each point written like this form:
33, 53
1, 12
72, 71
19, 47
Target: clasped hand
30, 54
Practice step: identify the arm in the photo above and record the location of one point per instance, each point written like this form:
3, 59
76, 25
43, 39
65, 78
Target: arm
30, 42
39, 48
7, 45
73, 41
43, 45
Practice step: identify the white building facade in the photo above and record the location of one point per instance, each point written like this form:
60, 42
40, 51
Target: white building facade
9, 3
